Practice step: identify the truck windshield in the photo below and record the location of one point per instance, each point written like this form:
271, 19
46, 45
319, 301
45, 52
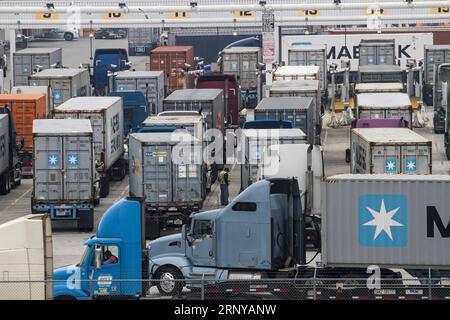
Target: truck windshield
202, 228
83, 257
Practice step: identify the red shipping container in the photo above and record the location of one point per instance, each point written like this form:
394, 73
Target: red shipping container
172, 60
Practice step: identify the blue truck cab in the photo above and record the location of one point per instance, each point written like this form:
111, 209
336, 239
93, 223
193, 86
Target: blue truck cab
107, 60
120, 231
135, 109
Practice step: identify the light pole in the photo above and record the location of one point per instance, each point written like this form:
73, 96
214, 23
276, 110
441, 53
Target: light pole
91, 39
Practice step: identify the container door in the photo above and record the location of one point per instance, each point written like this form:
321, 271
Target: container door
386, 55
397, 114
41, 60
78, 168
48, 165
22, 69
157, 174
126, 84
97, 128
416, 159
248, 71
187, 177
367, 55
300, 120
297, 58
61, 91
149, 87
386, 159
23, 114
371, 114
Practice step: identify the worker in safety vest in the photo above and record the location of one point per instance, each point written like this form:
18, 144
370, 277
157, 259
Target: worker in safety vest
224, 183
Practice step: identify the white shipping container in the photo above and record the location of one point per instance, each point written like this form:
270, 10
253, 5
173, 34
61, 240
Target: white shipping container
390, 150
376, 87
297, 73
195, 125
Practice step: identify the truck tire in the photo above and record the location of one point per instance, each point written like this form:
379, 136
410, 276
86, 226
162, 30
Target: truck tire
86, 221
169, 281
104, 186
4, 184
68, 36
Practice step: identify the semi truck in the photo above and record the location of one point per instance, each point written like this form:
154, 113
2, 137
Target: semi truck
106, 116
260, 237
10, 168
107, 61
135, 109
26, 258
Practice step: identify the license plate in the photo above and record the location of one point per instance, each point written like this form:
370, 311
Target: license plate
178, 221
172, 209
384, 292
60, 213
414, 291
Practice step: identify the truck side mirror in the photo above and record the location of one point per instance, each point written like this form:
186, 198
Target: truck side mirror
183, 233
347, 155
98, 258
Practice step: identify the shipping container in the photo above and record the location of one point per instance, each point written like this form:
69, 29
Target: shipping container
380, 123
27, 61
64, 172
208, 101
172, 60
142, 40
5, 154
64, 83
297, 73
106, 116
231, 97
389, 150
380, 73
242, 62
408, 233
150, 83
373, 87
36, 89
434, 56
251, 144
384, 106
309, 55
135, 109
299, 110
195, 125
377, 52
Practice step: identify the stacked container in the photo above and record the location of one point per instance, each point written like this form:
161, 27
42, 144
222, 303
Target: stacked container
310, 56
380, 73
36, 89
242, 62
172, 60
64, 83
27, 60
390, 150
376, 52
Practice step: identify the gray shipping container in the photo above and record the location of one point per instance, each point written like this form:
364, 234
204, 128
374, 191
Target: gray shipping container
308, 55
434, 55
63, 162
376, 52
252, 144
4, 144
150, 83
384, 105
64, 83
210, 101
380, 73
165, 183
298, 110
25, 61
106, 116
413, 208
390, 150
242, 62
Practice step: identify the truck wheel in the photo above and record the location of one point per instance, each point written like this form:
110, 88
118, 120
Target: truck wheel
104, 186
169, 281
3, 184
68, 36
86, 221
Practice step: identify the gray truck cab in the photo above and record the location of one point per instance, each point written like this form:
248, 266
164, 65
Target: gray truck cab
259, 231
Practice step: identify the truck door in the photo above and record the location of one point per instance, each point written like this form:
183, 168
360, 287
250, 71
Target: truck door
202, 248
106, 280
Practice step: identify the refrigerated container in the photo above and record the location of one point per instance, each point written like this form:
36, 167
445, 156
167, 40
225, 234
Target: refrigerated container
64, 83
380, 73
27, 61
208, 101
242, 62
251, 144
390, 150
377, 52
150, 83
168, 173
308, 55
106, 117
384, 106
64, 173
173, 60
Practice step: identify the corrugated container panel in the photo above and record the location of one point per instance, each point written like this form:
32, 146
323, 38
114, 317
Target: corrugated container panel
434, 55
380, 73
310, 56
378, 87
36, 89
407, 202
242, 62
4, 143
377, 52
27, 60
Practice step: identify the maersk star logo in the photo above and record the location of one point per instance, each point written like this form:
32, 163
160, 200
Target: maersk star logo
72, 160
53, 160
383, 220
411, 166
391, 166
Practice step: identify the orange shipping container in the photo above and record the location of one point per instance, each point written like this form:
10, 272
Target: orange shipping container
25, 108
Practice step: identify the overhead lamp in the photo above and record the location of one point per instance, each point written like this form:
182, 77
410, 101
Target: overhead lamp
122, 5
50, 6
262, 3
408, 1
193, 4
337, 2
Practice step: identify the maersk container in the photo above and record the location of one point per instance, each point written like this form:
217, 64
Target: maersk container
374, 87
386, 220
390, 150
252, 143
208, 101
28, 60
106, 116
64, 83
377, 52
308, 55
150, 83
299, 110
384, 106
380, 73
242, 62
63, 170
194, 125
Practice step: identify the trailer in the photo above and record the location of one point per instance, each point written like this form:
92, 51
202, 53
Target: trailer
28, 61
106, 116
64, 183
434, 56
390, 151
167, 170
10, 168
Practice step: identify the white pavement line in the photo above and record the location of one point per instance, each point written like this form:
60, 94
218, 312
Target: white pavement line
15, 201
122, 194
